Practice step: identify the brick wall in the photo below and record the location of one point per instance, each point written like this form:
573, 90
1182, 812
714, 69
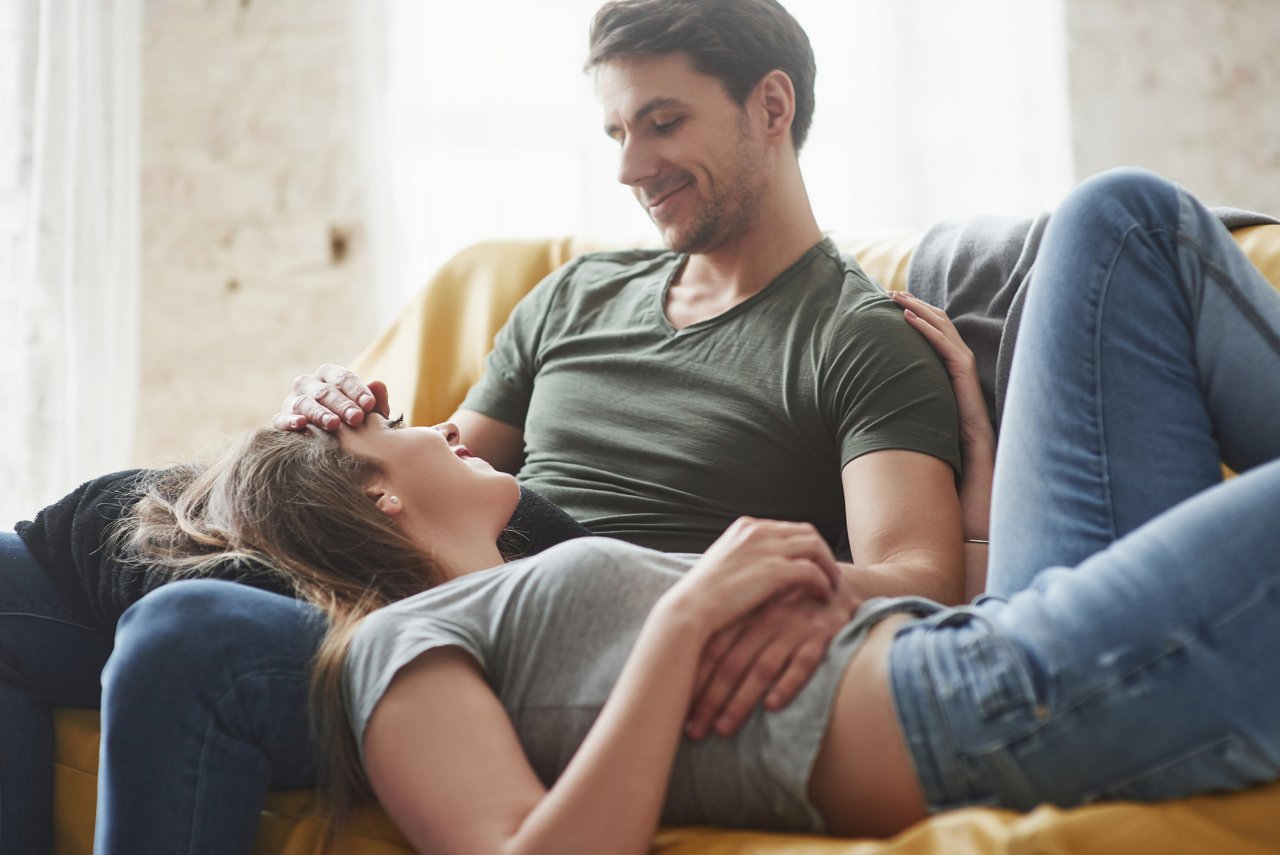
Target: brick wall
253, 261
1189, 88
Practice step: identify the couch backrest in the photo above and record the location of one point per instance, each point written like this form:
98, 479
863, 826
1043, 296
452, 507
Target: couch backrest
432, 353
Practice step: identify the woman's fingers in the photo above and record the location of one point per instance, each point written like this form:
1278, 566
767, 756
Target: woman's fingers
927, 310
753, 561
931, 317
810, 546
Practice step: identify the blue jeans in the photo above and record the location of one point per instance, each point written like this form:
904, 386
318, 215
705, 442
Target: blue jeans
1134, 654
204, 708
50, 656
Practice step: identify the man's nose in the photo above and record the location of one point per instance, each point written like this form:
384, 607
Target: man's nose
636, 163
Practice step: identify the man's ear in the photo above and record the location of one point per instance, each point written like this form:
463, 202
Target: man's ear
777, 94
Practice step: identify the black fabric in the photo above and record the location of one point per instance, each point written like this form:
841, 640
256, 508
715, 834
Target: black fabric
67, 540
539, 524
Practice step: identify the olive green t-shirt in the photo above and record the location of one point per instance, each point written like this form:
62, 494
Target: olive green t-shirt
662, 437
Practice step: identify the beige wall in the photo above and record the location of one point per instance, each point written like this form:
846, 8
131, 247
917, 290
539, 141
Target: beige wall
1189, 88
253, 262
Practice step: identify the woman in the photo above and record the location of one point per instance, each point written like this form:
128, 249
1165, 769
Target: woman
61, 598
538, 706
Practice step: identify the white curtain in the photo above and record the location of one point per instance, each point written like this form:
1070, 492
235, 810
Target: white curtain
481, 124
68, 244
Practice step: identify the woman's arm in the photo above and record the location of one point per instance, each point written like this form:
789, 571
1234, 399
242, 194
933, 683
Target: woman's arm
444, 759
977, 436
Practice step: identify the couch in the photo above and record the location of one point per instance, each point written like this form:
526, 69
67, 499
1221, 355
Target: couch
429, 357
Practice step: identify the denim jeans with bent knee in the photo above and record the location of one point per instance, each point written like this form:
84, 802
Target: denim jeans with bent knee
1128, 645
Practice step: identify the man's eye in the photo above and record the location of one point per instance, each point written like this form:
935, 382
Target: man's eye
665, 128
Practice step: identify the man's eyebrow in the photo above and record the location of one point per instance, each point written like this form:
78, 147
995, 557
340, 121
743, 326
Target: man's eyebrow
662, 102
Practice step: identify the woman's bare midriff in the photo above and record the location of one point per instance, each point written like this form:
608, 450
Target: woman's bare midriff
863, 783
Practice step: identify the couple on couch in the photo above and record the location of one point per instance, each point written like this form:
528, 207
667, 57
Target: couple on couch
574, 698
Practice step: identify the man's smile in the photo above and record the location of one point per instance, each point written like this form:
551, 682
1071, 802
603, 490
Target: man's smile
665, 199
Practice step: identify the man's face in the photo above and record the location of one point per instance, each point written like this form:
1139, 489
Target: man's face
688, 151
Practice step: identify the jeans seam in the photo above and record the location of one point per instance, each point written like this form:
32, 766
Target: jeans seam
1099, 310
1182, 640
211, 738
1227, 285
50, 618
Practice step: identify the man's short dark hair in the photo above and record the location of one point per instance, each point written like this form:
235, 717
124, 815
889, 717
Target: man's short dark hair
737, 42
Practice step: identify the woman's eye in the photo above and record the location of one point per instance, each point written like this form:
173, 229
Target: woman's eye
397, 422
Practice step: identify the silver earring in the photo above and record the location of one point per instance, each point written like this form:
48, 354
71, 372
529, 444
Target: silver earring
395, 500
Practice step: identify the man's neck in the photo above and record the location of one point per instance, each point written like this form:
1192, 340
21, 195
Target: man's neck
713, 282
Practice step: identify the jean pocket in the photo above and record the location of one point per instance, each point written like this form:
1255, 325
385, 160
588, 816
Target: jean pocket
996, 673
1222, 764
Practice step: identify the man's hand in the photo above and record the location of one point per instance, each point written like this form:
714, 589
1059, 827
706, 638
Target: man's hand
328, 398
766, 656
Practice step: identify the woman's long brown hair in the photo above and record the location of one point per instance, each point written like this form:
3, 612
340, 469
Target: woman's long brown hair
290, 506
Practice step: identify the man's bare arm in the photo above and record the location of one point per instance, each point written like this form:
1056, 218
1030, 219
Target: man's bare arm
905, 529
905, 534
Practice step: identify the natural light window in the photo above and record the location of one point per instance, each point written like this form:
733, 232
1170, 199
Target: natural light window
483, 125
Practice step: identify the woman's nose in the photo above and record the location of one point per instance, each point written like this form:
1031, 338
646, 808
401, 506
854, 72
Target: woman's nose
449, 431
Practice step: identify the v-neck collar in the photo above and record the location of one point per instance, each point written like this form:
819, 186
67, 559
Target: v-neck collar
660, 309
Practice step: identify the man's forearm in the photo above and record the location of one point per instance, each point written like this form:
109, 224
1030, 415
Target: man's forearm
909, 575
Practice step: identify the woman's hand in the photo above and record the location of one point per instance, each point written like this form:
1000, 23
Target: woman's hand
977, 436
752, 562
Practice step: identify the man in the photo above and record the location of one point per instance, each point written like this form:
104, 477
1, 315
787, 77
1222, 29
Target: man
655, 396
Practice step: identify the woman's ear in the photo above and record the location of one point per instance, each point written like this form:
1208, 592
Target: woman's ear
384, 500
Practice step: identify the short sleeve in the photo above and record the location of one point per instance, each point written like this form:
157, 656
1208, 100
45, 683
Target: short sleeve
389, 639
888, 389
506, 386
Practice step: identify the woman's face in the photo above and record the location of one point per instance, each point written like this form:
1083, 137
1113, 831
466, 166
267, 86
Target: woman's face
432, 483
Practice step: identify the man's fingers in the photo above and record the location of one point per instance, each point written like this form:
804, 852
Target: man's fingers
350, 386
312, 411
798, 671
335, 389
381, 400
712, 653
288, 421
726, 676
335, 400
750, 691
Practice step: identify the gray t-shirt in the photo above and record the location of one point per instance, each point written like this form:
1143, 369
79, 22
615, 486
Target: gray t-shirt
552, 632
662, 437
